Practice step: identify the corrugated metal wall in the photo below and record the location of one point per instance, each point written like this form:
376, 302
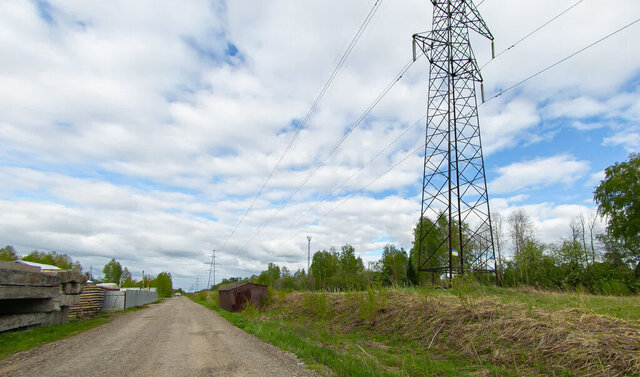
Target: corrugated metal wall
121, 300
113, 301
139, 298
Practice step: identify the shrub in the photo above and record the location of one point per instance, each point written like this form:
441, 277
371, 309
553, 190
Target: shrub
612, 287
368, 305
464, 286
250, 310
203, 295
316, 303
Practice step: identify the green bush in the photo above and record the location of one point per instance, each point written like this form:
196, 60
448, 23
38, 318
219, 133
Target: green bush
369, 304
215, 298
203, 295
250, 310
612, 287
464, 286
316, 303
163, 284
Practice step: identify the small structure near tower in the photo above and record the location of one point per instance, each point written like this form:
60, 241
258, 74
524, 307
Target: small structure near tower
234, 297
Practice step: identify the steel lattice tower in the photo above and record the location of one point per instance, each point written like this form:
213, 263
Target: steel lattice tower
455, 232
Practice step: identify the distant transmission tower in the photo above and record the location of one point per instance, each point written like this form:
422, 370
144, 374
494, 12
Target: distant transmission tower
212, 267
455, 232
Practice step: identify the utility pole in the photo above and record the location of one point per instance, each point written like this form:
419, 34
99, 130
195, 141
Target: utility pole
211, 266
308, 254
197, 283
91, 273
455, 231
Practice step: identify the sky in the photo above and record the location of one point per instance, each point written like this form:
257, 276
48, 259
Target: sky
144, 130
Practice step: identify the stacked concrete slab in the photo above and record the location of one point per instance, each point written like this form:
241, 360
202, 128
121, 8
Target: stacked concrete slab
31, 297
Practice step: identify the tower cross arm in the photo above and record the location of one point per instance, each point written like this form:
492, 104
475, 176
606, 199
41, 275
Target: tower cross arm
426, 42
475, 22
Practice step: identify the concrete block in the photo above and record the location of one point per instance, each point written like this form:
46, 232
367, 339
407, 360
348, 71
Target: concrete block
68, 300
28, 278
16, 321
72, 288
67, 276
21, 306
8, 292
59, 317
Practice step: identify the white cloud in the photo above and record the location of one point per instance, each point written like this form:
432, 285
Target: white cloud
580, 107
540, 172
595, 179
504, 126
630, 141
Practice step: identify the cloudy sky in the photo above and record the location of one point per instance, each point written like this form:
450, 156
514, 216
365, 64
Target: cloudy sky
143, 130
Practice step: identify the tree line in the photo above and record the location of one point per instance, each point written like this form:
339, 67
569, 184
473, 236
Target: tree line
8, 253
588, 258
115, 273
338, 270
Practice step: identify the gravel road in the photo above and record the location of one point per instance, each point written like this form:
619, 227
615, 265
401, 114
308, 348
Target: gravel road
175, 338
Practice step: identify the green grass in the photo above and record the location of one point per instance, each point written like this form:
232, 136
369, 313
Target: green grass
12, 342
21, 340
342, 332
356, 353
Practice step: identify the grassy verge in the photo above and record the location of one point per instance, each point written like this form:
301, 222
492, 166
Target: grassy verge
277, 332
21, 340
331, 351
12, 342
457, 332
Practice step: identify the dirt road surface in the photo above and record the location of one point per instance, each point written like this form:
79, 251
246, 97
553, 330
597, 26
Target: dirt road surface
175, 338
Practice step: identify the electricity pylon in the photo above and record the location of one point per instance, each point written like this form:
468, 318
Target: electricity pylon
212, 267
455, 233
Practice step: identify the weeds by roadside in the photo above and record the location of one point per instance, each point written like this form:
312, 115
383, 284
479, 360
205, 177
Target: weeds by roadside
21, 340
469, 329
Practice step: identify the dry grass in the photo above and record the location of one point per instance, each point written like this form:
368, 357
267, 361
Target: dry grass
532, 341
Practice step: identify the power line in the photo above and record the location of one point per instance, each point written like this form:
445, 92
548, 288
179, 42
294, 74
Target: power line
313, 172
417, 150
388, 145
335, 147
344, 200
564, 59
313, 108
499, 94
533, 32
406, 130
346, 135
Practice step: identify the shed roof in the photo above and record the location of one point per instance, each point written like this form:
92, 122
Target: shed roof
233, 286
41, 265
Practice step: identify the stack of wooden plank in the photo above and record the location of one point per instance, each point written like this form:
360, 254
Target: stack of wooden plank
89, 304
30, 297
